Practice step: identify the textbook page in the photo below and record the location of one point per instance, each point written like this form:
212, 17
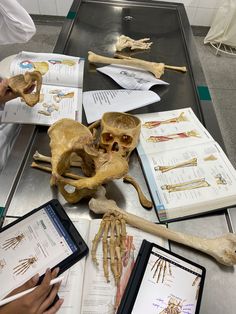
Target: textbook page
56, 69
97, 102
71, 289
103, 297
169, 130
55, 103
131, 78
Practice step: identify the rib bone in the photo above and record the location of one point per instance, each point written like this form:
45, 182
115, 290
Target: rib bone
223, 248
155, 68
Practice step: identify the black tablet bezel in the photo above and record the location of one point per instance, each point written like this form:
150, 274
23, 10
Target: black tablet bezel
82, 248
136, 277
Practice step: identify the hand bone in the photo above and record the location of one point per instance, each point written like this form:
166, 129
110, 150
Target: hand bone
155, 68
223, 248
127, 42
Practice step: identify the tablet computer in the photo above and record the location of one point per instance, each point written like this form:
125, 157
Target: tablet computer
44, 238
162, 282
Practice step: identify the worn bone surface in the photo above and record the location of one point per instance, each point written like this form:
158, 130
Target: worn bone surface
157, 69
222, 248
102, 156
127, 42
20, 85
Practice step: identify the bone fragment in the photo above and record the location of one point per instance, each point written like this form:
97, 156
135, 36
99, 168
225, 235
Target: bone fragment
22, 83
49, 169
142, 198
39, 157
222, 248
127, 42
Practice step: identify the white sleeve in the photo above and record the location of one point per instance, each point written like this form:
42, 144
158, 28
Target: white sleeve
16, 25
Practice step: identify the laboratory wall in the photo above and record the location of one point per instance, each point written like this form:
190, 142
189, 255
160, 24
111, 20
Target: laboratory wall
200, 12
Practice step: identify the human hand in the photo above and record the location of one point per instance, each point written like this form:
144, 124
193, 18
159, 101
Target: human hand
37, 301
6, 93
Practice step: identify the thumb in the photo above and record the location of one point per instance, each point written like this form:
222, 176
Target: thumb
27, 285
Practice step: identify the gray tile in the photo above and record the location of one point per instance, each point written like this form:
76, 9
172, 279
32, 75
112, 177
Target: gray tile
43, 41
220, 70
224, 101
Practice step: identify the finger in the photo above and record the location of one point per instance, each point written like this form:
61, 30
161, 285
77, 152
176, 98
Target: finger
32, 282
55, 307
44, 288
49, 300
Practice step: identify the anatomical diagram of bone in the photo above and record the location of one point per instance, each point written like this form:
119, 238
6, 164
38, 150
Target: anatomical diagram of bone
188, 185
161, 269
188, 163
174, 307
157, 69
13, 242
165, 138
21, 85
127, 42
102, 153
24, 265
154, 124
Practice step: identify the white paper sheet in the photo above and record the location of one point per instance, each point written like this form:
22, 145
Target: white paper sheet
100, 101
131, 78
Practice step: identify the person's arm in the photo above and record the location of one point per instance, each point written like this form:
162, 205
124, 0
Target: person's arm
16, 25
37, 301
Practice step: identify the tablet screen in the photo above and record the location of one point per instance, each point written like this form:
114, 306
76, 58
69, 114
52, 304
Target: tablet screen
34, 244
169, 285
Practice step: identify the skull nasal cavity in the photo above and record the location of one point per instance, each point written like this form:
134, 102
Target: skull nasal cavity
115, 147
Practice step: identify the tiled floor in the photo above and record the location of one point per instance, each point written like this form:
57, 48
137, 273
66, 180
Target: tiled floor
220, 72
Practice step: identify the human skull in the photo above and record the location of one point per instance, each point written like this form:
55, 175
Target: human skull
119, 133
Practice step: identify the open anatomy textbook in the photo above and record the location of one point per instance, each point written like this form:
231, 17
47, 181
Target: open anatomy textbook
61, 92
186, 170
84, 287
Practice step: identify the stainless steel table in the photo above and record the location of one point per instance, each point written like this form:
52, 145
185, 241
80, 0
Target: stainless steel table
95, 25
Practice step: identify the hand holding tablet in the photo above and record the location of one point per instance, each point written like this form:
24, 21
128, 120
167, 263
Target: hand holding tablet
44, 238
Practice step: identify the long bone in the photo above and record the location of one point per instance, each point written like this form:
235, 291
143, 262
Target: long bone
157, 69
223, 248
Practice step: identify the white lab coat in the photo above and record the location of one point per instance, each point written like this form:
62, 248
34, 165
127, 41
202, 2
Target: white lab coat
16, 26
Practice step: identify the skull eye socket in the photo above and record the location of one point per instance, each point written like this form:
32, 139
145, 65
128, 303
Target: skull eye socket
107, 138
126, 140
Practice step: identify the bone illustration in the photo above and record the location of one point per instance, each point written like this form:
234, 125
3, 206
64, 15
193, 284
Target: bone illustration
188, 163
174, 307
222, 248
210, 158
127, 42
40, 66
24, 265
60, 95
161, 269
2, 264
157, 69
48, 109
188, 185
70, 63
220, 180
161, 138
196, 282
22, 83
128, 261
154, 124
13, 242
